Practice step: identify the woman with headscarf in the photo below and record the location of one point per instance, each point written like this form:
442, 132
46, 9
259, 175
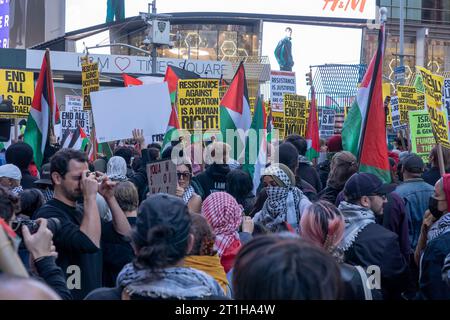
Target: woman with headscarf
224, 215
116, 169
161, 240
285, 202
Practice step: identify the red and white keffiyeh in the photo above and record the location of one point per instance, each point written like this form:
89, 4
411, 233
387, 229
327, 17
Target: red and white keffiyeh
224, 215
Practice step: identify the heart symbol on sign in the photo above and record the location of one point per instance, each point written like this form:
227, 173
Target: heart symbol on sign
122, 63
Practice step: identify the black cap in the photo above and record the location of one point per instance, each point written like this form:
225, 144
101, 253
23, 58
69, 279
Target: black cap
45, 177
413, 163
365, 184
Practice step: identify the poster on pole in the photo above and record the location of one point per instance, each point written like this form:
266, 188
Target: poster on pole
295, 114
162, 177
147, 107
73, 103
198, 104
281, 82
72, 119
446, 95
90, 80
387, 93
18, 87
327, 123
397, 123
433, 100
421, 134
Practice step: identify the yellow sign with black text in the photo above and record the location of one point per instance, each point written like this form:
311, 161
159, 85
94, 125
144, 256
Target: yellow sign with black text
433, 100
278, 123
295, 114
198, 104
90, 80
18, 87
407, 101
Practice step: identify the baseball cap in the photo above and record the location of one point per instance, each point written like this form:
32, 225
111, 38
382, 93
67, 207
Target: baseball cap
45, 175
365, 184
10, 171
413, 163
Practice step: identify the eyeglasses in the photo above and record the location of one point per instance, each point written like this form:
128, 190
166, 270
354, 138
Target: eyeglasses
185, 175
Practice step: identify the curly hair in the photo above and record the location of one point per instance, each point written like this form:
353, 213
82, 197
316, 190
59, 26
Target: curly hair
343, 166
204, 236
9, 204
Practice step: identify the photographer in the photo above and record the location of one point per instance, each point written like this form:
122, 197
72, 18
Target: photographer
78, 239
39, 244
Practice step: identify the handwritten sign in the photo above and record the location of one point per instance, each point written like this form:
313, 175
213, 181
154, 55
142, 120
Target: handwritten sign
74, 103
162, 177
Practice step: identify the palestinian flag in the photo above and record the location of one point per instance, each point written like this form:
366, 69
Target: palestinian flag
235, 113
256, 146
44, 113
173, 74
364, 130
312, 130
76, 139
129, 81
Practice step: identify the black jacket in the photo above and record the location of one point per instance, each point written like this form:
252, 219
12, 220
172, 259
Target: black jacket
324, 171
377, 246
329, 194
53, 276
432, 176
28, 180
308, 173
431, 283
354, 285
213, 179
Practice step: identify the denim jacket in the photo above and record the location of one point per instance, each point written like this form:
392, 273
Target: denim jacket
416, 194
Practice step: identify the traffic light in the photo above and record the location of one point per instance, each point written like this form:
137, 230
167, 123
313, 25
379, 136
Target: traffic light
309, 78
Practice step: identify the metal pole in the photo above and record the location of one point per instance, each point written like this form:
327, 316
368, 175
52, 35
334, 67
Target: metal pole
402, 34
154, 49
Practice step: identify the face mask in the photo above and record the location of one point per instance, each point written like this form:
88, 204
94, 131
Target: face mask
433, 207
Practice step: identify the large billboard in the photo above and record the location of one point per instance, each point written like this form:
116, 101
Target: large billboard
4, 24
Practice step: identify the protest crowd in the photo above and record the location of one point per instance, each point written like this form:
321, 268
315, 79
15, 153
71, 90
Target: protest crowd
350, 219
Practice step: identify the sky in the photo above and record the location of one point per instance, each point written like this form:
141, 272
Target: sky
311, 45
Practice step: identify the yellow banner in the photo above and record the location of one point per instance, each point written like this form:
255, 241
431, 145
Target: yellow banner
90, 80
433, 100
198, 104
407, 101
295, 114
18, 87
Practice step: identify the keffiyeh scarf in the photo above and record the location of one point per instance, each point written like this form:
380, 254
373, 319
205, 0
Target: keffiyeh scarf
17, 190
440, 227
188, 193
224, 215
178, 282
356, 219
283, 203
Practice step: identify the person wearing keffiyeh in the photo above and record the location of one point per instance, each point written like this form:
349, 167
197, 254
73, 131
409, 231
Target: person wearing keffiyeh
185, 190
224, 215
285, 203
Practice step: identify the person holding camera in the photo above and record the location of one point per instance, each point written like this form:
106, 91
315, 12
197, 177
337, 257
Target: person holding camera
78, 238
38, 242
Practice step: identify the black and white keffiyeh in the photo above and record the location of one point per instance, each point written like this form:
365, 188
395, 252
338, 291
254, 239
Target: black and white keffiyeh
440, 227
356, 219
188, 193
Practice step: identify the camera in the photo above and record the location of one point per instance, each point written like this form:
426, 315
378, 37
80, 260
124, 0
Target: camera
53, 224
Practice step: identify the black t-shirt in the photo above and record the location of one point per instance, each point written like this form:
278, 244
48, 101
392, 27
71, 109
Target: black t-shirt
75, 250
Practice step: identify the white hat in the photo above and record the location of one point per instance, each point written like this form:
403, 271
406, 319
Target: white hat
10, 171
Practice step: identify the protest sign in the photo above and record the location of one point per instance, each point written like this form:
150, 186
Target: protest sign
433, 100
295, 114
327, 119
74, 103
421, 134
446, 95
396, 117
387, 93
198, 104
90, 81
281, 82
407, 101
72, 119
118, 111
162, 177
278, 122
18, 87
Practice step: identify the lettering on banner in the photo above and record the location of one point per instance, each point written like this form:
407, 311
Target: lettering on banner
18, 87
295, 114
162, 177
90, 81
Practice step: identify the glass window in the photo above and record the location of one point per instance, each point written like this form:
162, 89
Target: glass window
207, 47
227, 44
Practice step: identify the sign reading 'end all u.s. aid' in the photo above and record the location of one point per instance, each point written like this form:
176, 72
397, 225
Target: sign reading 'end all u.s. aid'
18, 87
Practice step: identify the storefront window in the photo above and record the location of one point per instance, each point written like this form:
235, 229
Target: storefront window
227, 44
207, 47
